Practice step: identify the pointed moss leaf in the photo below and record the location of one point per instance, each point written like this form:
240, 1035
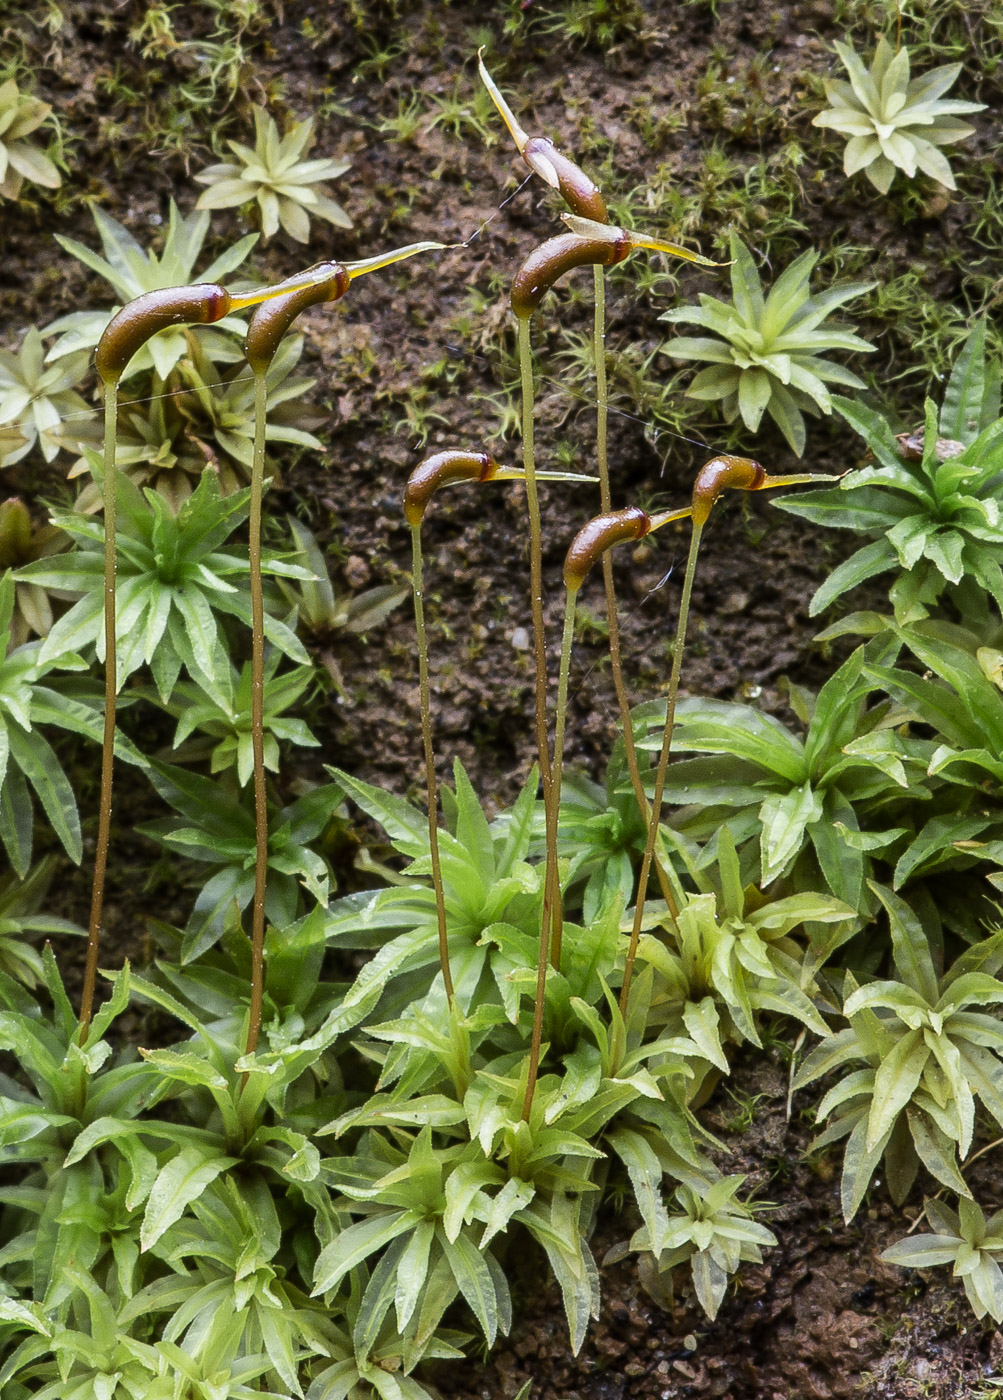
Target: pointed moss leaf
411, 1272
937, 1151
473, 1278
645, 1172
709, 1282
404, 824
180, 1182
894, 1084
859, 1165
910, 945
961, 414
922, 1251
703, 1023
185, 1068
785, 817
354, 1245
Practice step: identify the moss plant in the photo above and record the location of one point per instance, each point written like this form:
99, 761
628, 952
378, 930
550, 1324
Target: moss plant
126, 333
441, 469
273, 318
287, 188
895, 122
587, 205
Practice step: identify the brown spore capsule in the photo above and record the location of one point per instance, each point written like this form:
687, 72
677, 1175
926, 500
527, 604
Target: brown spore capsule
724, 473
551, 260
141, 318
599, 534
441, 469
272, 319
580, 194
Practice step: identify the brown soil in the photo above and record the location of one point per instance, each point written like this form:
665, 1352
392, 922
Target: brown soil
822, 1317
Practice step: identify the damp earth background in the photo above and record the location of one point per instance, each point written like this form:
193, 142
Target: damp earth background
696, 117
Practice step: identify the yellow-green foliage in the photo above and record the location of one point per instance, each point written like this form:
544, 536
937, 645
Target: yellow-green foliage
20, 160
287, 188
895, 122
37, 398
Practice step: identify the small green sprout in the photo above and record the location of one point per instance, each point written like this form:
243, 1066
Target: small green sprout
714, 1233
287, 188
39, 397
966, 1239
766, 354
895, 123
19, 159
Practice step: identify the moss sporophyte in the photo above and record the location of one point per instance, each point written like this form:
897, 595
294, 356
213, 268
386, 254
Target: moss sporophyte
403, 1059
126, 334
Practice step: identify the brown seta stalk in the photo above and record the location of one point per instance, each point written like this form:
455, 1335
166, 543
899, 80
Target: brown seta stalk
126, 333
110, 701
720, 474
612, 616
268, 326
442, 469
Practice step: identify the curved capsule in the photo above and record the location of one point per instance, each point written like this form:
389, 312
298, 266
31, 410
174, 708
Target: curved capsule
272, 319
579, 192
541, 155
132, 327
441, 469
549, 262
724, 473
599, 534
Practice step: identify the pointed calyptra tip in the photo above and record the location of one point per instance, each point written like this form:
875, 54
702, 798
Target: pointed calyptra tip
504, 110
393, 255
590, 228
666, 517
798, 479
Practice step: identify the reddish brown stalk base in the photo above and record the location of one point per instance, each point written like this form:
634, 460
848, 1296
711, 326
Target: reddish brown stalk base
110, 708
258, 717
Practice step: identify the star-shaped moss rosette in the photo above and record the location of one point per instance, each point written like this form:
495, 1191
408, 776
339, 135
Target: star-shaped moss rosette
767, 351
37, 398
287, 188
895, 122
20, 160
